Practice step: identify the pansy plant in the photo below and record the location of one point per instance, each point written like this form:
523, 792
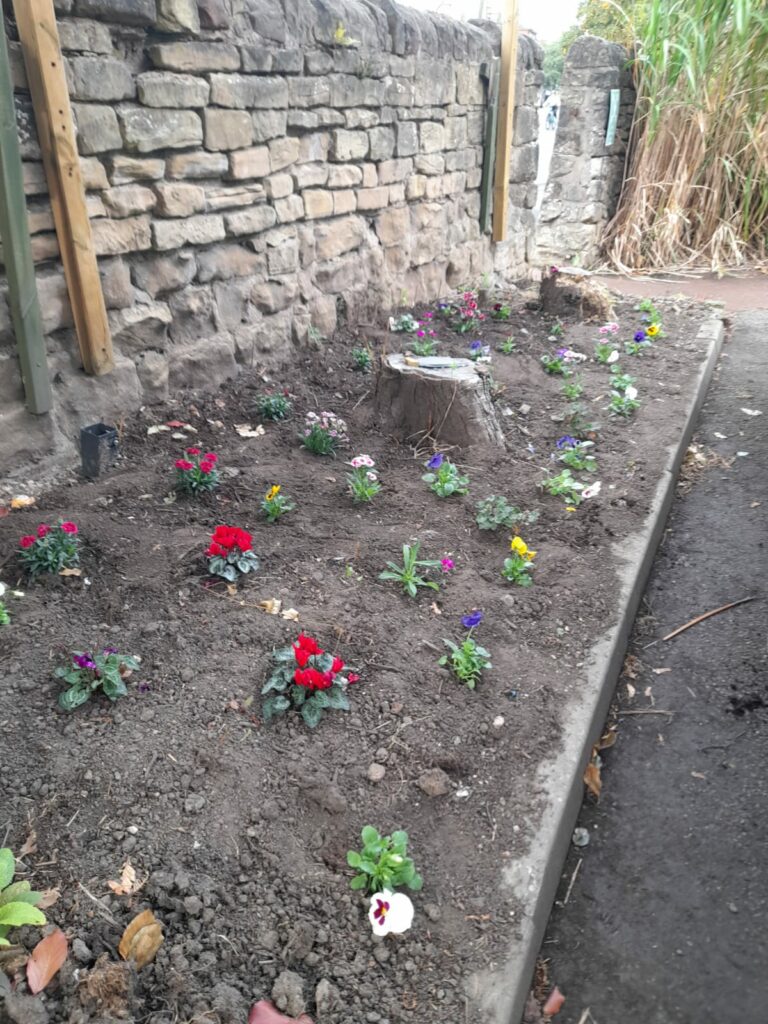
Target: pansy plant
275, 504
624, 403
621, 381
383, 862
106, 671
444, 478
519, 565
576, 454
273, 407
606, 352
639, 344
495, 512
361, 360
564, 485
51, 549
572, 389
467, 660
307, 678
479, 353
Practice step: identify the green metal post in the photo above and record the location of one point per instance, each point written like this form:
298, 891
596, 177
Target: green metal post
17, 251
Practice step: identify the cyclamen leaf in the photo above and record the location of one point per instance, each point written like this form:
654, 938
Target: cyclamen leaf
19, 892
14, 915
337, 699
73, 698
311, 713
7, 867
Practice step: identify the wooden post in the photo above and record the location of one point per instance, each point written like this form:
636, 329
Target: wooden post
491, 75
39, 37
17, 251
506, 119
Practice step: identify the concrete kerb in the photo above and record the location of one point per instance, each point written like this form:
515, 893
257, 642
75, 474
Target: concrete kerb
534, 879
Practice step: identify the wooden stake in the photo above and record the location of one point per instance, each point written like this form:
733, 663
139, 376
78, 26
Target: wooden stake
39, 37
506, 120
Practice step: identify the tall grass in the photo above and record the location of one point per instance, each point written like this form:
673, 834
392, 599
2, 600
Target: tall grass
696, 185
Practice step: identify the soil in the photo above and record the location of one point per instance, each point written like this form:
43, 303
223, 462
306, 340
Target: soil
241, 829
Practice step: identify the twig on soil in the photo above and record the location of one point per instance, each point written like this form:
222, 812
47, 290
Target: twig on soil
647, 711
572, 882
73, 818
360, 400
104, 912
707, 615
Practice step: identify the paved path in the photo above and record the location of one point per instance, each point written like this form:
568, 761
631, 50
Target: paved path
667, 921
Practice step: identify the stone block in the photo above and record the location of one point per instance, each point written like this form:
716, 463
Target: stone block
305, 120
318, 63
229, 196
393, 226
221, 262
152, 370
213, 14
455, 132
344, 175
203, 363
116, 283
399, 92
250, 222
159, 275
256, 58
93, 173
415, 187
526, 126
430, 163
195, 57
470, 90
313, 148
269, 124
344, 201
350, 91
289, 209
394, 170
178, 16
407, 138
227, 129
112, 237
33, 177
273, 296
145, 129
289, 62
179, 200
361, 117
231, 303
283, 259
128, 200
54, 301
431, 137
309, 92
194, 315
141, 327
126, 169
97, 128
397, 193
372, 198
317, 203
247, 91
475, 127
84, 34
249, 163
99, 78
125, 12
330, 118
166, 89
381, 143
339, 276
309, 175
197, 165
283, 152
199, 230
370, 175
346, 145
460, 160
523, 162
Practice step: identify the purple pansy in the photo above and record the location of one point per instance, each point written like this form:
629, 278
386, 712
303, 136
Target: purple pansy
566, 441
639, 335
473, 619
475, 346
436, 461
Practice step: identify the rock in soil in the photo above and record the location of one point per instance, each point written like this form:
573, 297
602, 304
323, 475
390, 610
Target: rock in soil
326, 998
24, 1010
288, 993
376, 772
435, 782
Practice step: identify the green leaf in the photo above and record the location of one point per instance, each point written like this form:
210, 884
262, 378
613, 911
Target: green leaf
298, 695
337, 699
7, 867
19, 892
311, 712
275, 682
74, 697
358, 882
321, 699
369, 835
400, 841
274, 705
113, 687
283, 654
416, 883
410, 588
354, 859
14, 915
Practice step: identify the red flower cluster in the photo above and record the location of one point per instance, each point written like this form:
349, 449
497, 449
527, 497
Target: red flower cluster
307, 647
207, 462
69, 528
469, 310
42, 531
225, 539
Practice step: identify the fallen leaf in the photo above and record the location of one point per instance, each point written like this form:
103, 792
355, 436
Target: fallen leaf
698, 775
631, 691
265, 1012
592, 779
22, 501
721, 437
128, 884
246, 430
174, 423
231, 589
30, 846
608, 739
271, 606
755, 504
46, 959
632, 667
660, 671
49, 897
554, 1002
158, 428
435, 609
141, 939
290, 614
648, 692
178, 436
70, 572
752, 412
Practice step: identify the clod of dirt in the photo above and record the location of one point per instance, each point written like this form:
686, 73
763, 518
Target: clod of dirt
300, 942
328, 796
326, 998
24, 1010
228, 1004
107, 988
435, 782
570, 290
288, 993
376, 772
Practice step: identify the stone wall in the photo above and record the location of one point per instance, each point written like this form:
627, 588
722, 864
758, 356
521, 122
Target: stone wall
585, 175
254, 168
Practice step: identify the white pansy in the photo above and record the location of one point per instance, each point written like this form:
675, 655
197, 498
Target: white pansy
613, 357
390, 912
631, 393
592, 490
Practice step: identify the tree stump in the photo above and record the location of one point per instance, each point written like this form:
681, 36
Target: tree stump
447, 400
570, 290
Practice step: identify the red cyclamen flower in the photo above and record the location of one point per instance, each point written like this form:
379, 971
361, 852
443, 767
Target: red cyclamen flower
69, 527
28, 541
352, 677
42, 530
337, 665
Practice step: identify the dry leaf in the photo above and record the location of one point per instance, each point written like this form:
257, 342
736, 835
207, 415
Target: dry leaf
178, 436
755, 504
607, 740
632, 667
231, 589
554, 1003
174, 423
128, 885
30, 846
435, 609
631, 691
264, 1012
271, 606
660, 671
141, 939
5, 511
290, 614
647, 692
49, 897
246, 430
698, 775
752, 412
592, 779
22, 501
47, 957
157, 428
70, 572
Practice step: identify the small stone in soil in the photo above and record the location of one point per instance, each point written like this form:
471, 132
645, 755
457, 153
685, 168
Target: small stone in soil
288, 993
376, 772
580, 837
434, 782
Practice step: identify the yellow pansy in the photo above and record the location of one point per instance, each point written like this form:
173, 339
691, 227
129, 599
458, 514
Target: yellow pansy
518, 545
273, 492
652, 330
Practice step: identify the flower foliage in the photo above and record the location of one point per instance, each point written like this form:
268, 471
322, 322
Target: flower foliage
383, 862
306, 677
363, 481
463, 314
444, 477
53, 548
276, 504
230, 553
576, 454
17, 899
495, 511
325, 433
409, 573
197, 474
519, 566
468, 659
273, 407
88, 672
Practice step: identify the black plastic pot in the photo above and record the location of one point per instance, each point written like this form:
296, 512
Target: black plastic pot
98, 449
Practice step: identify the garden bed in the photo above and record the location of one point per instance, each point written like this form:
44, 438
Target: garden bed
242, 828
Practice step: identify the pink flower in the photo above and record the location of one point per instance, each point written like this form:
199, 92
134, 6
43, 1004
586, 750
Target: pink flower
28, 541
211, 457
69, 528
193, 451
447, 564
42, 530
184, 465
